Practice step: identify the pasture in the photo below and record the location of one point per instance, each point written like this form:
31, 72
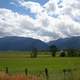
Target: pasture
17, 62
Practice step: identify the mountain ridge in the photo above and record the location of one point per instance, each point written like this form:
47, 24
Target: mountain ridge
15, 43
70, 42
21, 43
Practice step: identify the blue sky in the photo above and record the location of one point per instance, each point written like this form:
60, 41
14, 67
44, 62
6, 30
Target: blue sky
41, 19
42, 2
6, 3
16, 8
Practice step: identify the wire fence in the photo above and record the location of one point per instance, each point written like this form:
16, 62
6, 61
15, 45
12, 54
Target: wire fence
65, 74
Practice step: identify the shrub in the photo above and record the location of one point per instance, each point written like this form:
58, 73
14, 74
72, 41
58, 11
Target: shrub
53, 49
34, 53
62, 54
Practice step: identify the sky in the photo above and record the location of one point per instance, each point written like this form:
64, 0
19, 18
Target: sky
41, 19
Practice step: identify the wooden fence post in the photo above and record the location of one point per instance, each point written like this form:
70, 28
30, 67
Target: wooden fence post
68, 74
64, 72
7, 70
26, 71
46, 73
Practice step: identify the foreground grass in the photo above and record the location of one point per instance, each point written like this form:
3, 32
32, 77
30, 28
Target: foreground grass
5, 76
18, 61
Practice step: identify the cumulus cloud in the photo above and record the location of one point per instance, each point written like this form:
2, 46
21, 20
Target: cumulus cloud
55, 19
33, 6
15, 24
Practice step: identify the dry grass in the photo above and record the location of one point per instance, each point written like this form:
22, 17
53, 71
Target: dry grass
4, 76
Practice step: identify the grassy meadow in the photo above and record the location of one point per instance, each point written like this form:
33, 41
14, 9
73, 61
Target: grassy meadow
18, 61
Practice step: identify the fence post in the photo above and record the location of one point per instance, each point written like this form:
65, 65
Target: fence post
70, 74
26, 71
64, 72
7, 70
46, 73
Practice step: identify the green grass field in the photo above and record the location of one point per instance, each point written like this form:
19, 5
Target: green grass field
18, 62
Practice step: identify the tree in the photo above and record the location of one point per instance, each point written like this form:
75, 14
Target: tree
62, 54
53, 49
72, 52
34, 52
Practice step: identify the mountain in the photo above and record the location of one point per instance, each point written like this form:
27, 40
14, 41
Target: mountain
21, 43
72, 42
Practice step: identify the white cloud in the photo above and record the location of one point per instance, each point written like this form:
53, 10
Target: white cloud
53, 20
34, 7
14, 23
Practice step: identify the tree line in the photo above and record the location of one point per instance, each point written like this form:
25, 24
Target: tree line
54, 51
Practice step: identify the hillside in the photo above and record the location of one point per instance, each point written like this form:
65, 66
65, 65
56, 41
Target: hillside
72, 42
21, 43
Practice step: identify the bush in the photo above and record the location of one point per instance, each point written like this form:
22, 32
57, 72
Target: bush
62, 54
73, 52
53, 49
34, 53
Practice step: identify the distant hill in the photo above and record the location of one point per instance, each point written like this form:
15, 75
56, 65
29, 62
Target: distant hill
21, 43
72, 42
